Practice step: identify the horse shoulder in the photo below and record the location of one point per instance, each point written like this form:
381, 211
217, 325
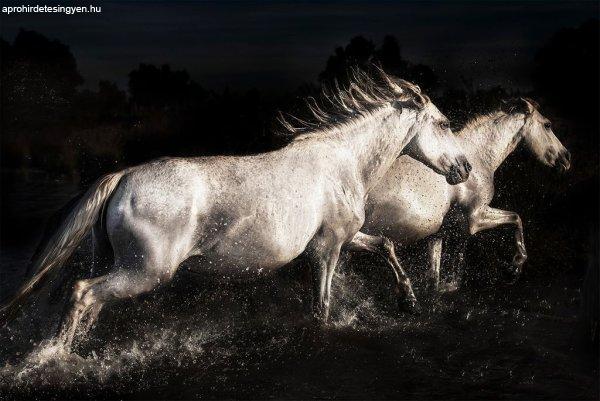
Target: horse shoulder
341, 189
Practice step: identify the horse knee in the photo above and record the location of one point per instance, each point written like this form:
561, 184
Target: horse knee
517, 220
388, 245
79, 290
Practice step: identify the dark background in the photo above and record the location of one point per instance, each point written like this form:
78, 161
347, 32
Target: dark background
86, 94
90, 92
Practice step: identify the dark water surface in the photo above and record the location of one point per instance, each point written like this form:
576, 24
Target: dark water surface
206, 337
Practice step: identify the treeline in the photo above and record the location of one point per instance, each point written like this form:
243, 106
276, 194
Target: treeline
48, 122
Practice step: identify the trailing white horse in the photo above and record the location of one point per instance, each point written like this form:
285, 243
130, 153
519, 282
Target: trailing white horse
253, 214
410, 203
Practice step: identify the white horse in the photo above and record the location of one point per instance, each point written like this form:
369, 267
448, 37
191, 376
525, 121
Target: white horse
410, 203
253, 214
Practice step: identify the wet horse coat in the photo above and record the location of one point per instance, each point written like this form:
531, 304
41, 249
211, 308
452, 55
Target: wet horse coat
255, 213
410, 203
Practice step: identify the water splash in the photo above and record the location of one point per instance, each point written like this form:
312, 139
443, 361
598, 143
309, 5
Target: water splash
182, 340
48, 364
241, 341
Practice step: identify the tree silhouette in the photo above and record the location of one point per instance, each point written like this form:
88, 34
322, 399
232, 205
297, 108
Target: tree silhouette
39, 79
389, 54
363, 53
154, 87
166, 112
358, 53
108, 103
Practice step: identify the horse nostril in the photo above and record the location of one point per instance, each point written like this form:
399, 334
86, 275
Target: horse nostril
454, 175
565, 160
468, 166
567, 155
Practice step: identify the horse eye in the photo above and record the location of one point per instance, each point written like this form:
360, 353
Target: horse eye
547, 126
444, 125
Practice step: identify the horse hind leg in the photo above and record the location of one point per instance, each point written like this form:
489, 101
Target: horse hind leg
102, 261
90, 295
83, 301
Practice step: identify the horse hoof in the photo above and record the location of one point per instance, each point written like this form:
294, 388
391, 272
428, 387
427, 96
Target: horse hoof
448, 287
510, 273
410, 305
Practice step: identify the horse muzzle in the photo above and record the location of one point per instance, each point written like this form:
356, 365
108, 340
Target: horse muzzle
560, 160
459, 171
563, 161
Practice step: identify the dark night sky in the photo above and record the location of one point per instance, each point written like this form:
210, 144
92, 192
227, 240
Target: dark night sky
275, 44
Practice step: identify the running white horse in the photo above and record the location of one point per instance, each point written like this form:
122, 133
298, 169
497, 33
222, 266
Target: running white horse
410, 203
246, 215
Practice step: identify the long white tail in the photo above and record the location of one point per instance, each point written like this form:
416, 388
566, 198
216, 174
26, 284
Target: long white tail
62, 244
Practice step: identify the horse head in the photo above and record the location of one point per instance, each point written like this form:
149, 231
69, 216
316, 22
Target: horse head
538, 135
433, 142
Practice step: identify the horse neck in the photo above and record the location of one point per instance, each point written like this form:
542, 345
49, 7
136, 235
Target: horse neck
492, 139
377, 141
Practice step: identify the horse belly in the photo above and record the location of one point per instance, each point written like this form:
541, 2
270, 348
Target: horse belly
242, 254
413, 228
407, 219
255, 243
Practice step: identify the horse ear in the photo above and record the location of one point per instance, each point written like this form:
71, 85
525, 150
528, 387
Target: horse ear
518, 105
532, 104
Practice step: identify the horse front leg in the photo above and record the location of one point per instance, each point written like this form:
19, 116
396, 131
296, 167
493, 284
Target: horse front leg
434, 248
324, 262
457, 266
488, 218
384, 248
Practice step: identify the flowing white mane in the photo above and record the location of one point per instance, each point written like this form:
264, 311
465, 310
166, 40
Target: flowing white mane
338, 106
511, 107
